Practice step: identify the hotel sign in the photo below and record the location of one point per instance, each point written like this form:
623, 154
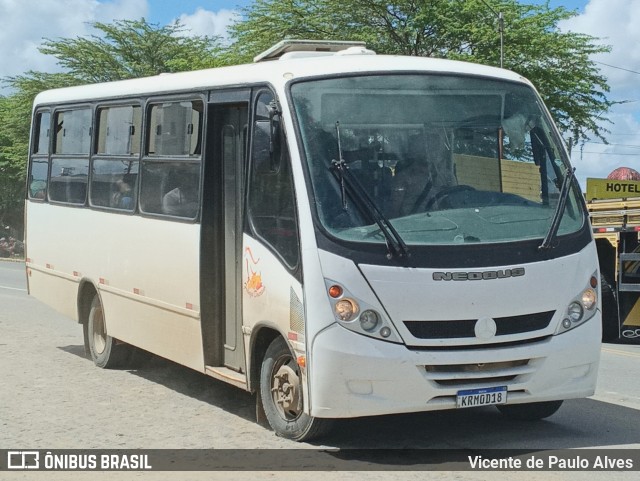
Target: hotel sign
612, 189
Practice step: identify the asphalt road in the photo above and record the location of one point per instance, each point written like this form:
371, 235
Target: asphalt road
52, 397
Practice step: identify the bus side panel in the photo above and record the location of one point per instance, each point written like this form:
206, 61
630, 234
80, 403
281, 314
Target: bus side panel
155, 327
54, 289
146, 270
47, 282
271, 298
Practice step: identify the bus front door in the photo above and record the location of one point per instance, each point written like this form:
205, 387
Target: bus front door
221, 240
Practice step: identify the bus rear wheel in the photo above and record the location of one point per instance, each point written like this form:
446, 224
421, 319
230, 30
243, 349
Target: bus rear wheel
530, 411
281, 396
106, 352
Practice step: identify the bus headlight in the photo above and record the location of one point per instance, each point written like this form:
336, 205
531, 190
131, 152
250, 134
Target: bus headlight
369, 320
357, 315
581, 308
575, 312
346, 309
589, 299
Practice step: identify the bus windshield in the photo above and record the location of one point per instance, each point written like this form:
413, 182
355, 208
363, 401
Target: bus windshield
445, 159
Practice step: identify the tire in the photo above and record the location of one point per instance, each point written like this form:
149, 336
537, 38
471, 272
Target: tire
281, 396
106, 352
530, 411
610, 328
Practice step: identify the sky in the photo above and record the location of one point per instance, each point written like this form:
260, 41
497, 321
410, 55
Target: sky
25, 23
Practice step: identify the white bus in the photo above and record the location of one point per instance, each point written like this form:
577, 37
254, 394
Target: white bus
343, 233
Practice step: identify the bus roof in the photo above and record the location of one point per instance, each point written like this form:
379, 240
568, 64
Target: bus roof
275, 72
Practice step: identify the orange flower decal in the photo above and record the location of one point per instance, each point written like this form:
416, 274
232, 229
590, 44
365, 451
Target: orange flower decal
253, 285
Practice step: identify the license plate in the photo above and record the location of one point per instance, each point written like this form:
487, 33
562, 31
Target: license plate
481, 397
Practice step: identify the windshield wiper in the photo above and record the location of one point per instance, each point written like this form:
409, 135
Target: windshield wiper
547, 243
395, 244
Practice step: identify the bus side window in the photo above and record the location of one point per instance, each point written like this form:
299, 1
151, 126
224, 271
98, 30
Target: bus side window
181, 191
115, 167
73, 131
170, 188
271, 199
38, 179
70, 161
114, 183
175, 128
69, 180
40, 157
171, 168
119, 129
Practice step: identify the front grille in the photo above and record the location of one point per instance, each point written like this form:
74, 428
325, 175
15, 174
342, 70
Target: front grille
465, 328
479, 374
479, 347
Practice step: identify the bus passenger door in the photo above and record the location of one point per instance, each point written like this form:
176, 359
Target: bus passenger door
221, 241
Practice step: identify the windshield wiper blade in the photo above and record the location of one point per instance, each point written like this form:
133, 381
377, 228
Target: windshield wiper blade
547, 243
395, 244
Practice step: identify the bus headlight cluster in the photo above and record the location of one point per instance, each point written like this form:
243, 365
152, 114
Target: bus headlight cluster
581, 308
356, 315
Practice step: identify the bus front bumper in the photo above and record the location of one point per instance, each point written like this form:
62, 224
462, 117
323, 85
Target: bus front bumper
351, 375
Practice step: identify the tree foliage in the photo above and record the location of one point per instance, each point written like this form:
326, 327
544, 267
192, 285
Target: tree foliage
12, 164
558, 63
130, 49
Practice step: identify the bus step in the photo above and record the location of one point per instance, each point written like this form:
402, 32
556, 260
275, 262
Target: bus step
227, 375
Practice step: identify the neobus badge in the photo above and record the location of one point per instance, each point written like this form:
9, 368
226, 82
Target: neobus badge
478, 276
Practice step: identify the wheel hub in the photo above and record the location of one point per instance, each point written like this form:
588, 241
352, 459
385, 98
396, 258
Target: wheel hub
286, 391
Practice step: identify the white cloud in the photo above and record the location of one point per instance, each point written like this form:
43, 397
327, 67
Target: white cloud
596, 159
25, 23
205, 22
615, 23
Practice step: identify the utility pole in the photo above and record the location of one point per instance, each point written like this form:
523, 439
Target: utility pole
500, 18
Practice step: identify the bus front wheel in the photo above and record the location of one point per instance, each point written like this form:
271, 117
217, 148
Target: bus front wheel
530, 411
105, 351
281, 395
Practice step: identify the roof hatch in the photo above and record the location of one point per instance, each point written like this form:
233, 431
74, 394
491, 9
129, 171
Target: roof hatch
310, 48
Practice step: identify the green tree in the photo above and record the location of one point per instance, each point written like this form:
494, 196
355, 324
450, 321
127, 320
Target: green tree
133, 48
120, 50
11, 174
558, 63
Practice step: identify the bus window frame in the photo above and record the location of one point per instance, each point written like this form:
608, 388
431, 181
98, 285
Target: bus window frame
132, 102
95, 155
55, 110
148, 102
35, 127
